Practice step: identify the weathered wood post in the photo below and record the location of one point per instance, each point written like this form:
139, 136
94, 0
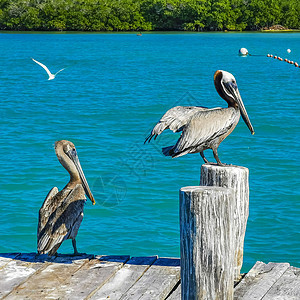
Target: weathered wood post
213, 219
206, 243
237, 178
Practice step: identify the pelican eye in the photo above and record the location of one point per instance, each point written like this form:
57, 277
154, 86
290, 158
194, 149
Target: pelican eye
71, 152
233, 84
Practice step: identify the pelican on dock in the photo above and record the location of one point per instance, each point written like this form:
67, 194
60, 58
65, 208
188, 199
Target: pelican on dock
51, 76
62, 212
204, 128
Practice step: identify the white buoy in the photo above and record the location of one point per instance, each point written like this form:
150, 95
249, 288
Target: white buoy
288, 50
243, 52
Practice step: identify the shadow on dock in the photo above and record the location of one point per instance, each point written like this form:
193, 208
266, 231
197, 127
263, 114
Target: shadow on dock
69, 259
42, 258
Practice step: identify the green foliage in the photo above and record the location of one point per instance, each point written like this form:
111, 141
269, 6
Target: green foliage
138, 15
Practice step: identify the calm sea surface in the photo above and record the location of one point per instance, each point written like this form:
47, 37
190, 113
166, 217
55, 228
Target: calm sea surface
114, 89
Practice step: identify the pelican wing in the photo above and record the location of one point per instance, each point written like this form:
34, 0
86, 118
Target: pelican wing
62, 217
43, 66
203, 127
174, 119
47, 208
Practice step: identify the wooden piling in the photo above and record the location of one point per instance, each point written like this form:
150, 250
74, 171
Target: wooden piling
234, 177
207, 243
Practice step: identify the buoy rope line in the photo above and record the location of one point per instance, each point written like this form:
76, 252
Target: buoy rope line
244, 52
286, 60
255, 54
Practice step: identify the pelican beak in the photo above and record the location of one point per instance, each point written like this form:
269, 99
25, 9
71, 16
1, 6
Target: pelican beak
73, 156
234, 91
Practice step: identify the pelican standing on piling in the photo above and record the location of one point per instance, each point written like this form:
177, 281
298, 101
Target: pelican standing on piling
62, 212
204, 128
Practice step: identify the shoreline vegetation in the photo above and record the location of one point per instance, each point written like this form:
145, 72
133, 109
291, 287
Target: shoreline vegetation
150, 15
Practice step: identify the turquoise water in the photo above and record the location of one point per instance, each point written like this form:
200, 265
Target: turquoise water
115, 88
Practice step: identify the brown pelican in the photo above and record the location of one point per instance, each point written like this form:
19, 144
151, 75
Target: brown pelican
204, 128
62, 212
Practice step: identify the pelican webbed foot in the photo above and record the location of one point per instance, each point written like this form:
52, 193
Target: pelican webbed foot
204, 158
215, 152
76, 253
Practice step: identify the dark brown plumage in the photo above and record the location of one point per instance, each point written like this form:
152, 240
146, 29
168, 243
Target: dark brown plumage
62, 212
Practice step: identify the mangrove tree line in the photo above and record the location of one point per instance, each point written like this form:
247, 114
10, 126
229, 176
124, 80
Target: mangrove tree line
138, 15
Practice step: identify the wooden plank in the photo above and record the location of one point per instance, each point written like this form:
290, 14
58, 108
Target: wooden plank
47, 279
176, 294
259, 280
6, 258
124, 279
29, 276
157, 282
88, 278
287, 287
16, 272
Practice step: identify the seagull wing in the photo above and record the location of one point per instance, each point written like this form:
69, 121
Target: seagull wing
43, 66
58, 71
174, 119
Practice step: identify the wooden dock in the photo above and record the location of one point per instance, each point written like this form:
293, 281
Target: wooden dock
29, 276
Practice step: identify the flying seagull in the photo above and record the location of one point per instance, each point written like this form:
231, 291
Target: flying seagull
51, 76
204, 128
